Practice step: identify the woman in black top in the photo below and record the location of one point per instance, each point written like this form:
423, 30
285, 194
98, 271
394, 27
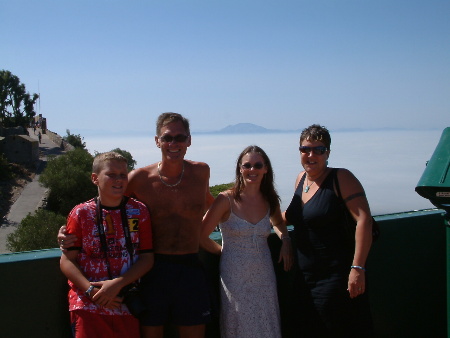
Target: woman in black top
332, 262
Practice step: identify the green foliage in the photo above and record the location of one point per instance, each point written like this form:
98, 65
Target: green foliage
216, 189
16, 105
75, 140
128, 156
131, 162
36, 232
69, 179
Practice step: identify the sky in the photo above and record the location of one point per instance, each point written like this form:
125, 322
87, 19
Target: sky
114, 66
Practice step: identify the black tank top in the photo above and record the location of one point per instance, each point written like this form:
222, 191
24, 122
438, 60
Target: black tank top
319, 228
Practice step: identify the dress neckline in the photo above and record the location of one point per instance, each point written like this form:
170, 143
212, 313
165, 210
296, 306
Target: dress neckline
254, 224
243, 219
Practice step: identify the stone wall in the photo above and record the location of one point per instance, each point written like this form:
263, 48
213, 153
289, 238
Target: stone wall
12, 131
56, 139
20, 149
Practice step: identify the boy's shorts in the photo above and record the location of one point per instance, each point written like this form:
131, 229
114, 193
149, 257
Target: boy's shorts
86, 324
176, 291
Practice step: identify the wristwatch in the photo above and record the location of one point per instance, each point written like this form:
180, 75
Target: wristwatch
88, 291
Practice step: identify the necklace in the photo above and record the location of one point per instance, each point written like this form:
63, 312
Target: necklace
165, 183
307, 186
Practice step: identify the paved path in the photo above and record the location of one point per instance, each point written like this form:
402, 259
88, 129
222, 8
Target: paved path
32, 195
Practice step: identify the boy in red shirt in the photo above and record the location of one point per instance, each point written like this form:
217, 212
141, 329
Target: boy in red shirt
96, 277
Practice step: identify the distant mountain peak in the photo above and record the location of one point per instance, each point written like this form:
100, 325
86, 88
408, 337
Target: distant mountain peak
243, 128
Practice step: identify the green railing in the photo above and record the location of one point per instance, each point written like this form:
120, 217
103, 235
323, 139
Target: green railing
407, 275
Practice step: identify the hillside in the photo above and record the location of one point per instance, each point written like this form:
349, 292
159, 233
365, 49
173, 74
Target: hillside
245, 128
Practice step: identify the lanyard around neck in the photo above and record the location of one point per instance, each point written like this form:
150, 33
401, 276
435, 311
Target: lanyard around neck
101, 230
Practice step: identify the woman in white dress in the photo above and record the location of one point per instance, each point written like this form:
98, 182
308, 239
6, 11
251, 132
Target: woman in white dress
246, 213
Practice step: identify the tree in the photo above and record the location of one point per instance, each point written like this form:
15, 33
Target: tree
130, 161
16, 105
68, 177
75, 140
127, 155
36, 232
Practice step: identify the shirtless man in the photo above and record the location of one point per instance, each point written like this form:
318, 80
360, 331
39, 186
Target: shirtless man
176, 191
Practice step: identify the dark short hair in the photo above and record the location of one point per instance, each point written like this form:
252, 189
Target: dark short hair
165, 118
316, 132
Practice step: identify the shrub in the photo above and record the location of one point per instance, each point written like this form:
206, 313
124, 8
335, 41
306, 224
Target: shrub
217, 189
69, 179
74, 140
36, 232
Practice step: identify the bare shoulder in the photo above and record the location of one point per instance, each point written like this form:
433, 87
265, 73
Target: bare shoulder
138, 177
224, 196
199, 168
141, 172
346, 176
221, 201
196, 164
348, 182
221, 206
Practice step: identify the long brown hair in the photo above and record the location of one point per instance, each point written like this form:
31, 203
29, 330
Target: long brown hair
267, 187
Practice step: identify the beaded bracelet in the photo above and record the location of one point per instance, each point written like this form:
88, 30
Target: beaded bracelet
358, 267
285, 237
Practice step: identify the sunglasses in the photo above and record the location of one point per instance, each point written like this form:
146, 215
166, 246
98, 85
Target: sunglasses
257, 165
320, 150
180, 138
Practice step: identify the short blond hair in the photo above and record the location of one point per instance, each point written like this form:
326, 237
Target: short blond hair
101, 158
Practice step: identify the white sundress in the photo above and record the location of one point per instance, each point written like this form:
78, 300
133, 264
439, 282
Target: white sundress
249, 301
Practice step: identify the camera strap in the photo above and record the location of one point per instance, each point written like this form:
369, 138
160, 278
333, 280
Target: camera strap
101, 230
